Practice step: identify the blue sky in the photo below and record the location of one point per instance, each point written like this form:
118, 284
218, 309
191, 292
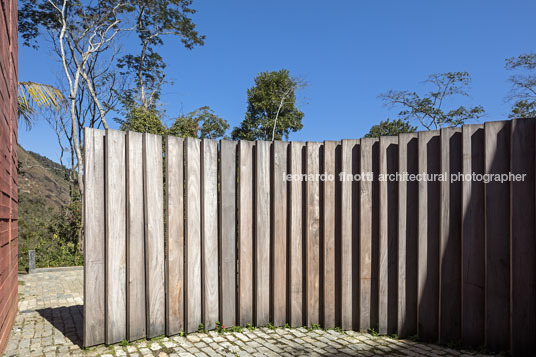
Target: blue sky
348, 51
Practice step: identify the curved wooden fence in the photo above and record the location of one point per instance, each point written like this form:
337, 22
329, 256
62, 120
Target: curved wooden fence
215, 231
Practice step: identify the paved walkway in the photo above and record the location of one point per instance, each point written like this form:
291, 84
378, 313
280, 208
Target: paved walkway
49, 323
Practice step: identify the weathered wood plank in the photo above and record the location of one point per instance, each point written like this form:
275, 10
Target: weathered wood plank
473, 238
312, 232
245, 231
135, 239
262, 233
154, 235
407, 236
366, 234
450, 237
428, 243
329, 261
295, 223
94, 238
227, 231
523, 242
279, 232
497, 157
175, 235
349, 228
116, 242
192, 235
209, 233
388, 221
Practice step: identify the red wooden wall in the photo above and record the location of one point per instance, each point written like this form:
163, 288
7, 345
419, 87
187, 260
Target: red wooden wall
8, 168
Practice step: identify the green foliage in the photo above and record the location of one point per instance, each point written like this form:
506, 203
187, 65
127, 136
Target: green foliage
270, 326
523, 92
36, 95
54, 239
202, 123
427, 109
373, 332
143, 120
201, 328
250, 327
271, 102
390, 128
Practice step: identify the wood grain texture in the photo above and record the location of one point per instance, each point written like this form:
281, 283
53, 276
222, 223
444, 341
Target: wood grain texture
349, 229
192, 235
450, 237
473, 238
209, 233
136, 322
295, 223
262, 233
174, 235
312, 233
366, 234
428, 241
116, 242
388, 221
279, 234
497, 157
154, 235
245, 231
407, 236
329, 304
522, 241
227, 231
94, 238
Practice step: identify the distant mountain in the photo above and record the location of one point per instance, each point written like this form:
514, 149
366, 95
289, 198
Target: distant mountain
42, 182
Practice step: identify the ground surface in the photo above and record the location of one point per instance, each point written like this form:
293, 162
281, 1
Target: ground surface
49, 323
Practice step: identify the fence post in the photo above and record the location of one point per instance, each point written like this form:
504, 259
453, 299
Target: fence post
31, 261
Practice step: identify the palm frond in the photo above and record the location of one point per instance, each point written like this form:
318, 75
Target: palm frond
43, 96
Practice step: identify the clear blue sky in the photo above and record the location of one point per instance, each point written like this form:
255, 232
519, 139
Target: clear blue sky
348, 51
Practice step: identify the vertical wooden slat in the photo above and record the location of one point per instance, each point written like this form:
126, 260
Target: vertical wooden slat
497, 157
407, 236
94, 238
116, 274
428, 244
175, 235
135, 239
312, 233
450, 237
473, 238
245, 232
522, 240
366, 235
388, 220
279, 233
329, 304
262, 233
192, 235
209, 232
296, 235
154, 235
349, 230
227, 231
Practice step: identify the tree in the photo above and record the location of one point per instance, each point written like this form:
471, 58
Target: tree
272, 113
428, 110
38, 95
156, 19
390, 128
202, 123
523, 91
143, 120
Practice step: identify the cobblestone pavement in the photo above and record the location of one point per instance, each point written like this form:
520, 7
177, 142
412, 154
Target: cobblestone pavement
49, 323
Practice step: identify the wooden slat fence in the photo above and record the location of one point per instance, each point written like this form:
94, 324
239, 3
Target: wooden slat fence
198, 231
